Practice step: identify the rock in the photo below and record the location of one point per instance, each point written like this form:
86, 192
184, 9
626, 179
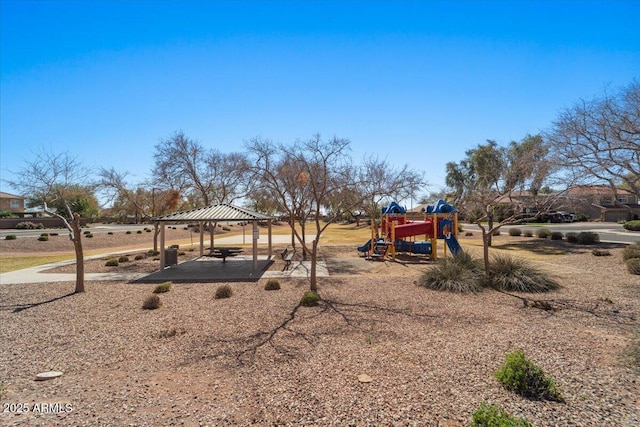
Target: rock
43, 376
364, 378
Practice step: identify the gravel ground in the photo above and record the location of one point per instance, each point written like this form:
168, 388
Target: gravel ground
258, 358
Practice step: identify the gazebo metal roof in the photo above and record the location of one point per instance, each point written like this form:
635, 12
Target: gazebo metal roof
218, 212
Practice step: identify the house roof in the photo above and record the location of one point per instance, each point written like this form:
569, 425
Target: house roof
220, 212
4, 195
585, 190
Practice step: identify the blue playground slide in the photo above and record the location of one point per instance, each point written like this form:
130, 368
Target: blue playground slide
365, 248
453, 245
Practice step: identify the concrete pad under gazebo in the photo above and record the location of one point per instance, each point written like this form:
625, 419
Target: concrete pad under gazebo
213, 214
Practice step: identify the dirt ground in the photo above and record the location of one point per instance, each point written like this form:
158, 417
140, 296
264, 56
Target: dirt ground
259, 358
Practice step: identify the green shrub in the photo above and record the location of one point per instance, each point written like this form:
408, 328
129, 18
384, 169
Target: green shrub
556, 235
495, 232
139, 257
86, 232
459, 275
632, 225
152, 302
139, 232
148, 230
224, 291
571, 237
151, 252
43, 238
11, 237
588, 238
128, 232
111, 262
162, 288
310, 299
110, 233
28, 225
516, 274
528, 233
468, 233
515, 232
543, 233
631, 251
123, 258
53, 234
582, 217
522, 376
494, 416
89, 236
272, 285
633, 265
44, 234
226, 229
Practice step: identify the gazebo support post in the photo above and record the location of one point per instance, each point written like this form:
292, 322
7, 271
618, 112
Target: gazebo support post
162, 259
255, 245
270, 234
201, 229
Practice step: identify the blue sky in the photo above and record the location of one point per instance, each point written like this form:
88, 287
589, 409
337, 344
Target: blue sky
416, 82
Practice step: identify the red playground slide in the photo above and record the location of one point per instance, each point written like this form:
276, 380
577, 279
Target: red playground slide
418, 228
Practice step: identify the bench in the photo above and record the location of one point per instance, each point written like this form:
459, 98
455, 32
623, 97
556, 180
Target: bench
287, 257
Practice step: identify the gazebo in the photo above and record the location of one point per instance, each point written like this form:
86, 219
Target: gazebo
213, 214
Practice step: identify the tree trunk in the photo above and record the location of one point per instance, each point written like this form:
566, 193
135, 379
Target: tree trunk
314, 260
77, 244
486, 242
156, 232
303, 231
490, 233
293, 233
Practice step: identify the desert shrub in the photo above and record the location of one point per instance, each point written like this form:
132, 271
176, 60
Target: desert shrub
633, 265
632, 225
543, 233
588, 238
528, 233
139, 257
53, 234
460, 228
151, 252
181, 253
459, 275
28, 225
112, 262
162, 288
515, 232
310, 299
582, 217
600, 252
86, 232
516, 274
152, 302
148, 230
43, 238
494, 416
272, 285
556, 235
571, 237
44, 234
123, 258
110, 233
10, 237
495, 232
468, 234
128, 232
89, 236
522, 376
224, 291
631, 251
226, 229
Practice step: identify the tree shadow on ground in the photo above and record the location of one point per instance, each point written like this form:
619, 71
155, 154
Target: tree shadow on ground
554, 247
17, 308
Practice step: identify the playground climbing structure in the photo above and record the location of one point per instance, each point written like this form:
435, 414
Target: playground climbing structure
400, 230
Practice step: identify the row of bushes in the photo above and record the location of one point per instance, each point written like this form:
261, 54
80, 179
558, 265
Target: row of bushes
632, 225
581, 238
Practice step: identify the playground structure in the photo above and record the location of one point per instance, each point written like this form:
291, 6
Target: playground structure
398, 230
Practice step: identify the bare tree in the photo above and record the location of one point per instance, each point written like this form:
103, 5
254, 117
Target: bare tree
204, 175
301, 177
599, 140
52, 178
